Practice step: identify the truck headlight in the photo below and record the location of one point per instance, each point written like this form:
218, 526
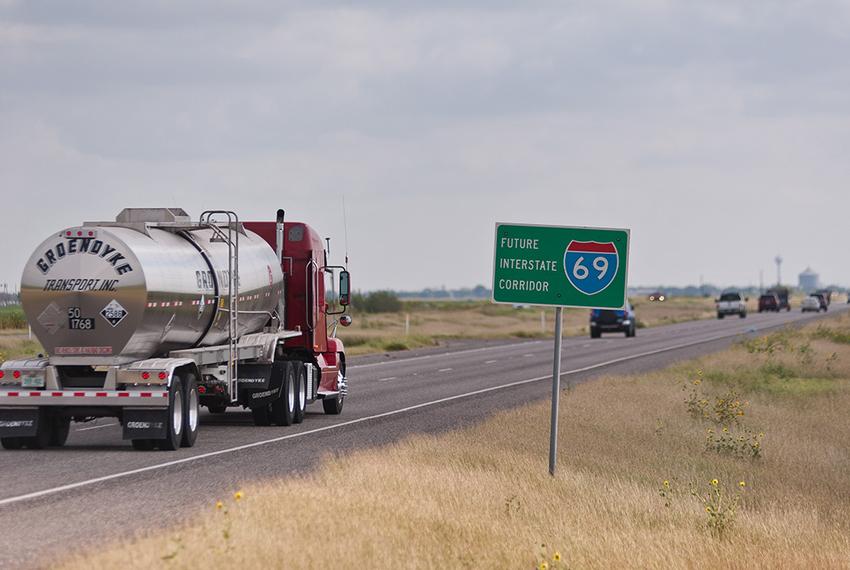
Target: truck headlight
627, 322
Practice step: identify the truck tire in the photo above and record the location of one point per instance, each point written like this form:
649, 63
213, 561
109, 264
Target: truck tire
743, 315
595, 333
719, 315
191, 413
12, 442
300, 393
59, 430
333, 406
283, 409
262, 415
176, 413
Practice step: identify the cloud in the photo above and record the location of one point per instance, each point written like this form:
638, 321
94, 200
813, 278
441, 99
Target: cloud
713, 130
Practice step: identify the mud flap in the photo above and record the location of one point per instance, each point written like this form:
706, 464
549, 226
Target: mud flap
263, 395
145, 424
19, 422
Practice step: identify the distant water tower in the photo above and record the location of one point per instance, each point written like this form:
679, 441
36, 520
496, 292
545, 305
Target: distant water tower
778, 260
809, 280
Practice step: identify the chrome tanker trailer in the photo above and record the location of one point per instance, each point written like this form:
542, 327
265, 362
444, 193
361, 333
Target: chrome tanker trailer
154, 315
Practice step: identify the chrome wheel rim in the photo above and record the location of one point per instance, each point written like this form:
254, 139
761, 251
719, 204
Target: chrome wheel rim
194, 410
290, 397
177, 413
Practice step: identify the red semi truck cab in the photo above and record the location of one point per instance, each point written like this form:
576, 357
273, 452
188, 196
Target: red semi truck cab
307, 278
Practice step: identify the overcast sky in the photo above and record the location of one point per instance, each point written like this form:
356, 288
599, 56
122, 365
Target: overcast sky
717, 132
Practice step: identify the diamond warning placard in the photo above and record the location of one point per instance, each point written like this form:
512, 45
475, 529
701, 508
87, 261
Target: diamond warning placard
114, 313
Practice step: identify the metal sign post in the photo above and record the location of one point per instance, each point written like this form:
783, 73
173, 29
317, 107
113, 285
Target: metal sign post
556, 392
560, 267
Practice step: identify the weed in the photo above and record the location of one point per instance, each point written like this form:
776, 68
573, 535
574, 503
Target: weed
744, 443
666, 493
830, 334
550, 560
512, 505
720, 506
726, 409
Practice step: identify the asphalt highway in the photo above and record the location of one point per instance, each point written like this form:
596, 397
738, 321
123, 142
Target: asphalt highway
97, 488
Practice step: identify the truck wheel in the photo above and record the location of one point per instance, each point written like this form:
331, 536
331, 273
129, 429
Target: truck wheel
595, 333
333, 406
59, 431
192, 413
283, 409
12, 442
632, 331
143, 444
175, 422
300, 394
719, 315
262, 415
743, 315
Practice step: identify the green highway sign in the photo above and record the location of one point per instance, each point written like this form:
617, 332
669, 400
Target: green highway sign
560, 266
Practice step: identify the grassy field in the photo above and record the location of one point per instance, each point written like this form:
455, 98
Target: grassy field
736, 460
433, 321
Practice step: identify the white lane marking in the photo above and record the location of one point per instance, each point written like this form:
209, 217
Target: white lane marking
490, 361
89, 482
444, 370
528, 355
95, 427
386, 379
444, 354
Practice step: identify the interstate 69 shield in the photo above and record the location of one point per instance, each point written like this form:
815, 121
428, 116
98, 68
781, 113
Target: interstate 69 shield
560, 266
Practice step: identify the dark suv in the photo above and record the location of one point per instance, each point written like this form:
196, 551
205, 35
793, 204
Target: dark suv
605, 320
769, 302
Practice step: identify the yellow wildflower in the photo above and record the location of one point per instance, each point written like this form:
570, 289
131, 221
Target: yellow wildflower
666, 484
543, 566
219, 505
557, 556
238, 495
714, 482
742, 484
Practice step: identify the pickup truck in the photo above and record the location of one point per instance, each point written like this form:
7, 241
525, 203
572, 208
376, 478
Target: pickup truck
731, 303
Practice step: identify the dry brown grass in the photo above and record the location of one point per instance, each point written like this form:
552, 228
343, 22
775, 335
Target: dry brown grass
431, 322
16, 344
481, 497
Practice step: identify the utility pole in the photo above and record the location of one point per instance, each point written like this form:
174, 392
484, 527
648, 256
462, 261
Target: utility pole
778, 260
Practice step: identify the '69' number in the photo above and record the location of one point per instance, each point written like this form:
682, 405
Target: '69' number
600, 264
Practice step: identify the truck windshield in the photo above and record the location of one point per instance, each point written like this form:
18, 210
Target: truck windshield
730, 297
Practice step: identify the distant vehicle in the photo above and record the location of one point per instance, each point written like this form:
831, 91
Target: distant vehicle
827, 295
605, 320
812, 303
731, 303
824, 304
769, 302
783, 294
657, 296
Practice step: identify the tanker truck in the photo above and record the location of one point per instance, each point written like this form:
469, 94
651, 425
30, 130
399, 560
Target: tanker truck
148, 318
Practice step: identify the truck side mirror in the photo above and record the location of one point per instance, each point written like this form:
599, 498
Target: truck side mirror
345, 320
344, 288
